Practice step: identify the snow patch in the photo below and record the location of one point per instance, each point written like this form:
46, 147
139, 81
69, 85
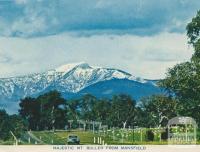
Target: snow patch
68, 67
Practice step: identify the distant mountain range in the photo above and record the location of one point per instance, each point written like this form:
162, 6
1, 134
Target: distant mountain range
73, 81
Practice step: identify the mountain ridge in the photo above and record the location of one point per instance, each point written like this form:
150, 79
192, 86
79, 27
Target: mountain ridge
69, 79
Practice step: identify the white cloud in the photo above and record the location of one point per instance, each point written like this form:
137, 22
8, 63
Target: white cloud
148, 57
35, 18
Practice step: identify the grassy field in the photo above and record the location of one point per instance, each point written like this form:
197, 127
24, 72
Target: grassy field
110, 137
60, 137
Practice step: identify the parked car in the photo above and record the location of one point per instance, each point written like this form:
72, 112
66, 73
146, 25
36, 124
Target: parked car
73, 139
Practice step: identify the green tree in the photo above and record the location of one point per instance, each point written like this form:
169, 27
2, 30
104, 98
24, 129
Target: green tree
12, 123
48, 111
73, 111
193, 29
4, 125
158, 110
102, 111
122, 111
183, 80
18, 125
87, 103
52, 110
30, 111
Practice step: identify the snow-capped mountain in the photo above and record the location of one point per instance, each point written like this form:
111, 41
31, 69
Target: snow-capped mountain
69, 79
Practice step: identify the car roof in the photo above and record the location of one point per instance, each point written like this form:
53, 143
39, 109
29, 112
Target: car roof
72, 136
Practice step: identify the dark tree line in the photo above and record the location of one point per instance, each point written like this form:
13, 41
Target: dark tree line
51, 111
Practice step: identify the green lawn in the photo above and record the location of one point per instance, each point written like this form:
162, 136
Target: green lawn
109, 137
52, 138
60, 137
9, 142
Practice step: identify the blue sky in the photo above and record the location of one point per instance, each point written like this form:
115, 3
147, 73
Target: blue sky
142, 37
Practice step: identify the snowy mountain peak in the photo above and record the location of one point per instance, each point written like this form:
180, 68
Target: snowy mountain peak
68, 67
67, 79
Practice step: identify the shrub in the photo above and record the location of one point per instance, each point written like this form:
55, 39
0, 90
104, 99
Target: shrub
164, 135
150, 135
